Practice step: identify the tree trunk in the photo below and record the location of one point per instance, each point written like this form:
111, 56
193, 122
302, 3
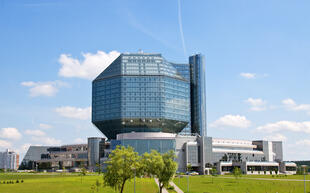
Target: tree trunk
123, 185
161, 188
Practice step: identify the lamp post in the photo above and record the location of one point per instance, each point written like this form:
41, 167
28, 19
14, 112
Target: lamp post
187, 182
134, 181
304, 167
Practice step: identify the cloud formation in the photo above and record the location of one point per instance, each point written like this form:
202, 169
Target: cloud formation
257, 104
89, 67
248, 75
40, 137
304, 142
303, 127
80, 141
234, 121
36, 132
291, 105
74, 112
10, 133
44, 126
5, 144
275, 137
43, 88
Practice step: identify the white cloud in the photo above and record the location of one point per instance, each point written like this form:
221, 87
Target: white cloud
235, 121
5, 144
37, 133
51, 141
248, 75
304, 142
79, 141
10, 133
74, 112
89, 68
40, 137
275, 137
43, 88
23, 148
287, 126
45, 140
291, 105
257, 104
44, 126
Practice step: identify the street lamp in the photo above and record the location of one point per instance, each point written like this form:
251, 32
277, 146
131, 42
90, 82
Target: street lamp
304, 167
134, 181
187, 182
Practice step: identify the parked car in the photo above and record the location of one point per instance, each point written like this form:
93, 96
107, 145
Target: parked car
193, 173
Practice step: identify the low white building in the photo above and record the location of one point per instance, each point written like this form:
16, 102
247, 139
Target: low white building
252, 157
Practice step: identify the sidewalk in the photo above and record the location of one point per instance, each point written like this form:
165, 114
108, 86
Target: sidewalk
176, 188
163, 190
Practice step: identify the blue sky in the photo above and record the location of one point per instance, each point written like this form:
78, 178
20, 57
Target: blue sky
257, 57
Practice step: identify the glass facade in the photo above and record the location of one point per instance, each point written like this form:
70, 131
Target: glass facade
93, 149
198, 94
141, 93
184, 70
146, 145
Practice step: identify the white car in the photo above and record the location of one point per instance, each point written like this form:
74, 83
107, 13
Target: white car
194, 173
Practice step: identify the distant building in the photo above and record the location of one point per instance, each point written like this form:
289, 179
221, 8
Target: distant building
252, 157
9, 160
95, 147
32, 155
55, 157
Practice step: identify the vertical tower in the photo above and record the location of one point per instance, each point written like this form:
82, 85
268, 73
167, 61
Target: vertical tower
93, 150
198, 94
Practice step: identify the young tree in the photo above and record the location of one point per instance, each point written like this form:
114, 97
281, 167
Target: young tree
237, 172
123, 164
98, 166
214, 173
163, 167
276, 171
83, 173
189, 168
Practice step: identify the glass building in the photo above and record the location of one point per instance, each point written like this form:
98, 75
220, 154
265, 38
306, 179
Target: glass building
93, 150
198, 94
141, 93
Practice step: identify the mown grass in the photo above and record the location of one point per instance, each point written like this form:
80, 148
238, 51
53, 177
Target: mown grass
51, 183
221, 184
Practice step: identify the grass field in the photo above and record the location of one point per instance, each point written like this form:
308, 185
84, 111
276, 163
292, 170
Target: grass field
47, 183
228, 184
70, 183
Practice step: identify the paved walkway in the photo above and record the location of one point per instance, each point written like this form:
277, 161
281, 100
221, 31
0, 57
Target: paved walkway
176, 188
293, 180
164, 189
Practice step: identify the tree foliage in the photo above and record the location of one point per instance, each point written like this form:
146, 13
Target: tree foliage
161, 166
123, 164
189, 168
214, 173
237, 172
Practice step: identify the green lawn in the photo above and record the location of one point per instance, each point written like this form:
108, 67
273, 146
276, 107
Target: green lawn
221, 184
47, 183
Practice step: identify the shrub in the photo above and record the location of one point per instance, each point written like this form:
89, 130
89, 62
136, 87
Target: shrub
17, 181
22, 181
170, 187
